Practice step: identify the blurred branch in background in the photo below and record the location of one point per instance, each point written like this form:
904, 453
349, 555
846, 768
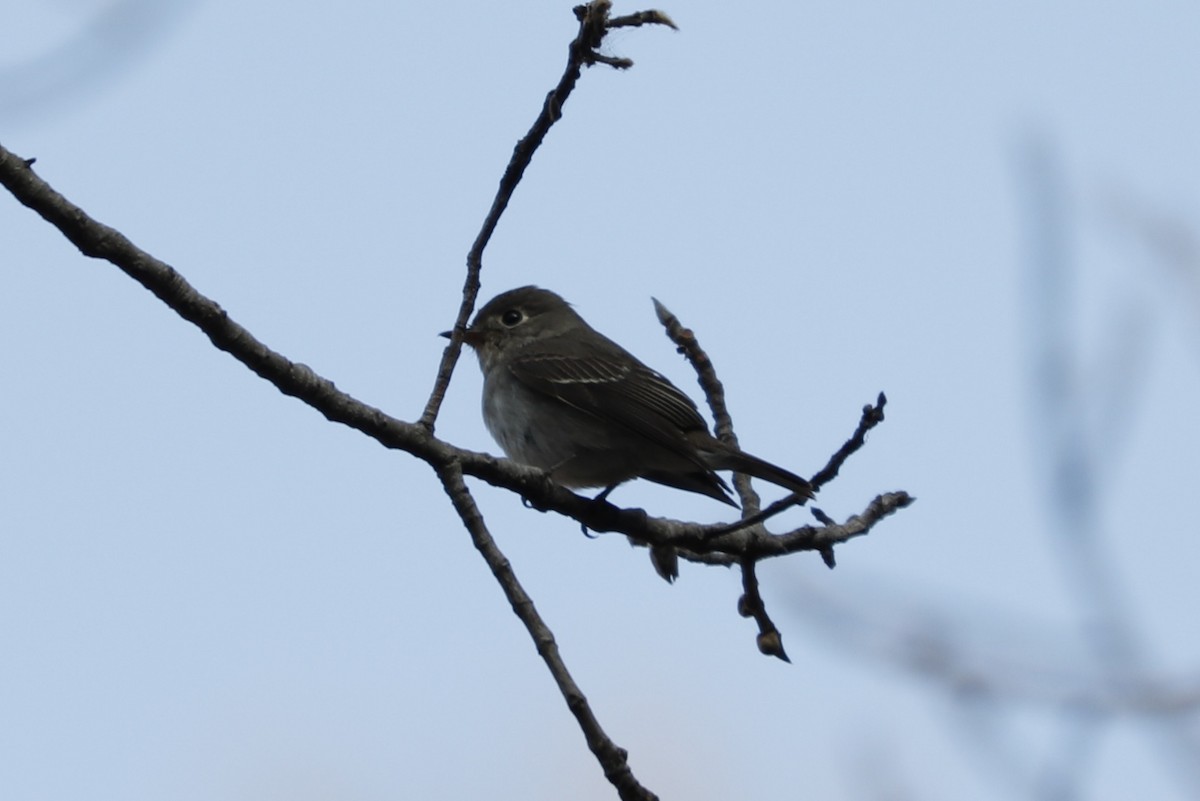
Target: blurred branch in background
997, 671
1070, 449
1168, 241
97, 42
1076, 459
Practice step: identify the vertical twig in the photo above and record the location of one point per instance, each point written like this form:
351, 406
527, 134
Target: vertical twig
593, 24
1071, 454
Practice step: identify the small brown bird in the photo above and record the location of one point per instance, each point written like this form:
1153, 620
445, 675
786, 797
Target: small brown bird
560, 396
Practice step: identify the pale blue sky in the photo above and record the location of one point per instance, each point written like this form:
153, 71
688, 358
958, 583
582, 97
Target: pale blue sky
209, 592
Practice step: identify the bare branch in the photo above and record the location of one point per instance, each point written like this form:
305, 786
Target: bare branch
298, 380
593, 25
611, 757
651, 17
770, 641
714, 391
871, 417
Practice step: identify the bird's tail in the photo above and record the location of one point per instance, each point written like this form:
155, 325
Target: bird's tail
742, 462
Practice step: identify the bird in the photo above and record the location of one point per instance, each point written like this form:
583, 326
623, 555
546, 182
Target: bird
560, 396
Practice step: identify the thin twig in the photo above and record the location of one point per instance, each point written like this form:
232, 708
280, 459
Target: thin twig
639, 18
612, 758
751, 604
593, 25
781, 505
770, 641
714, 391
871, 417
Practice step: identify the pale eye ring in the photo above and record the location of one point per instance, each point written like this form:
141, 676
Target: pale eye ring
512, 317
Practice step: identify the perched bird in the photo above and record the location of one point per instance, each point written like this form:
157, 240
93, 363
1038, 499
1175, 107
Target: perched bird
560, 396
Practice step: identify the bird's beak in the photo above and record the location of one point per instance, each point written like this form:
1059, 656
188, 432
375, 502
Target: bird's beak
470, 337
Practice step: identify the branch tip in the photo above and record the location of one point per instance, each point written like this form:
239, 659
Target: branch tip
821, 517
770, 643
651, 17
594, 23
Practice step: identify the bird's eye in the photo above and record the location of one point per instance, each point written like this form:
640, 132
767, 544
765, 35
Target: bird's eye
512, 317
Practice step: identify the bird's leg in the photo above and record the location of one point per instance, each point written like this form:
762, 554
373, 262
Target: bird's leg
600, 498
604, 493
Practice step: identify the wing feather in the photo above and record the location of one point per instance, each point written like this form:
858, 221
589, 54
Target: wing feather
611, 385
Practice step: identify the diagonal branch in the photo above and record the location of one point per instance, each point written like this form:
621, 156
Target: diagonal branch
751, 604
297, 380
687, 344
612, 758
594, 23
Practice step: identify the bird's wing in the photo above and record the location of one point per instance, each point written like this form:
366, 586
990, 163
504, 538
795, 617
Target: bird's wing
611, 385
